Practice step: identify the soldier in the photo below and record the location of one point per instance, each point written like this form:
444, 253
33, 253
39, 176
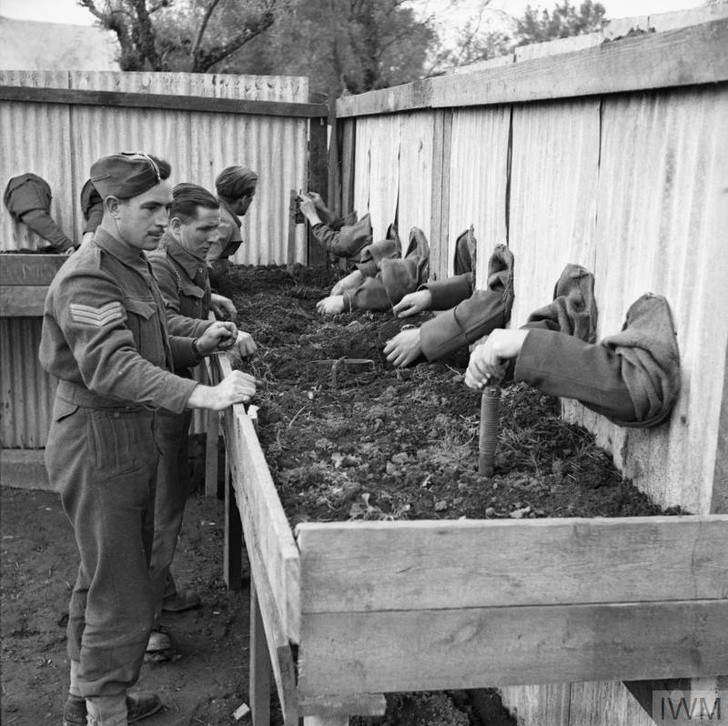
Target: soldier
381, 277
92, 208
28, 199
468, 314
105, 338
344, 237
632, 378
179, 267
235, 187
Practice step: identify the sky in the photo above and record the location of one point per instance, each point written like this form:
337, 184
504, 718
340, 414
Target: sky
68, 11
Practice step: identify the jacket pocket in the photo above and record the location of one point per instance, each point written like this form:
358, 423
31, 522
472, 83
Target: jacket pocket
122, 441
144, 323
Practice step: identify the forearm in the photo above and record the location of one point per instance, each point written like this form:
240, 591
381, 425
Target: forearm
562, 365
43, 225
451, 291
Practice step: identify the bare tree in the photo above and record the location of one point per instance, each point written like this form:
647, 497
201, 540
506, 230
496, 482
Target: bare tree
191, 35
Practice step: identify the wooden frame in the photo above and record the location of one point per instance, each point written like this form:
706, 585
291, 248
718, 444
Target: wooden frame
167, 102
376, 607
637, 62
24, 281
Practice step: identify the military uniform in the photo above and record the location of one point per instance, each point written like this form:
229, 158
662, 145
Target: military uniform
469, 314
345, 238
92, 207
389, 278
28, 199
226, 245
632, 378
105, 338
185, 286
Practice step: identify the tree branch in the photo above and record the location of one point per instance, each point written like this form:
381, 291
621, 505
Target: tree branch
203, 27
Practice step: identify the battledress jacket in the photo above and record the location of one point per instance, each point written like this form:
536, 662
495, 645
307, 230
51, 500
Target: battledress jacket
388, 278
632, 378
185, 286
105, 332
28, 199
229, 237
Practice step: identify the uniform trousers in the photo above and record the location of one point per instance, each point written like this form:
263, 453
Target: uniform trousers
104, 464
173, 480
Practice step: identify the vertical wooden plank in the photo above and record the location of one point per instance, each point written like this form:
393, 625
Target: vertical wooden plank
260, 666
318, 180
348, 154
439, 263
233, 550
719, 503
211, 444
334, 163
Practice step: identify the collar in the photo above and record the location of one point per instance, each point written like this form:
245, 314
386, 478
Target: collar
225, 209
127, 254
184, 258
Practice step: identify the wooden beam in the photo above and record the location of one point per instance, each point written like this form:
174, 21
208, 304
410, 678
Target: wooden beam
363, 704
719, 499
348, 166
24, 469
279, 647
22, 301
24, 269
318, 180
684, 57
260, 665
440, 214
233, 547
264, 522
478, 647
162, 102
416, 565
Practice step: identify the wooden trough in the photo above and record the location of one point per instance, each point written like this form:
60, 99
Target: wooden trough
344, 612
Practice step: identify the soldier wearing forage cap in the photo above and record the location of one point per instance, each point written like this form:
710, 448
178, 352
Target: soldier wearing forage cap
28, 199
179, 267
235, 187
105, 338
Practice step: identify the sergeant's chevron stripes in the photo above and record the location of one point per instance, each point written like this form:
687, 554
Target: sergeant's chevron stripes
98, 317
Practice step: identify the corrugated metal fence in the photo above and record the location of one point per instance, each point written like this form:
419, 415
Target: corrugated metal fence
59, 141
58, 136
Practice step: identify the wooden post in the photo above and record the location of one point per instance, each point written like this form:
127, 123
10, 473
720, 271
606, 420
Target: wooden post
440, 214
260, 666
233, 555
318, 180
211, 444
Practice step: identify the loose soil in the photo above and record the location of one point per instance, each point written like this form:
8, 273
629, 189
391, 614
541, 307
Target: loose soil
344, 441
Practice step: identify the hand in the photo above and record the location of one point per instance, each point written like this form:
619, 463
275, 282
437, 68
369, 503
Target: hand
87, 237
237, 387
413, 303
315, 197
223, 307
245, 345
488, 361
404, 348
350, 282
308, 208
219, 336
332, 305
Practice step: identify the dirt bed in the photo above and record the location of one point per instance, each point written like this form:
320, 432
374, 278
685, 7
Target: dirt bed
347, 436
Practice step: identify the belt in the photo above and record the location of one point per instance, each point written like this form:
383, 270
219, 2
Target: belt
81, 396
